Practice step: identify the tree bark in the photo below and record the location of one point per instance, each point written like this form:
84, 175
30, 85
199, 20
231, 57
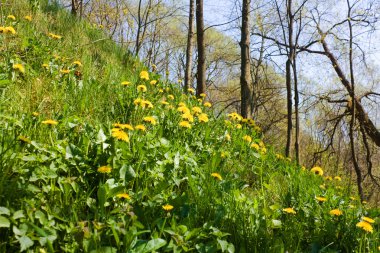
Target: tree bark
201, 67
189, 49
245, 78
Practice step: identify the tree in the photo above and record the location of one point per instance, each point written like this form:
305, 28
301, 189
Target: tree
189, 47
201, 67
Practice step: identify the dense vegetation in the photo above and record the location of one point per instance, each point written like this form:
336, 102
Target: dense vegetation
100, 154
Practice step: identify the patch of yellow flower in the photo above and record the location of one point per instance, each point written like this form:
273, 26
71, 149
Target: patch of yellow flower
140, 127
202, 95
120, 134
126, 83
365, 226
65, 71
171, 97
191, 90
217, 176
123, 196
50, 122
196, 110
150, 120
207, 104
321, 199
153, 82
235, 116
188, 117
317, 170
227, 137
7, 30
55, 36
203, 117
12, 17
24, 139
338, 178
19, 67
247, 138
336, 212
167, 207
144, 75
123, 126
104, 169
289, 210
141, 88
185, 124
77, 63
28, 18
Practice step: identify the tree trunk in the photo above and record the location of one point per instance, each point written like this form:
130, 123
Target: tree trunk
201, 68
245, 78
189, 49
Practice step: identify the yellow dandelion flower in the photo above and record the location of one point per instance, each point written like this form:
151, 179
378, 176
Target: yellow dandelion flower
336, 212
191, 90
24, 139
137, 101
126, 83
199, 99
104, 169
224, 154
35, 114
217, 176
207, 104
77, 63
227, 137
12, 17
196, 110
9, 30
19, 67
28, 18
120, 135
146, 104
153, 82
140, 127
50, 122
45, 65
188, 117
123, 196
247, 138
321, 199
238, 126
55, 36
202, 95
160, 90
171, 97
364, 202
150, 120
141, 88
255, 146
289, 210
123, 126
185, 124
183, 109
329, 178
365, 226
144, 75
317, 170
203, 117
367, 219
65, 71
167, 207
338, 178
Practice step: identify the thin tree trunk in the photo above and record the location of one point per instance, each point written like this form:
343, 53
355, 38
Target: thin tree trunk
296, 110
201, 67
189, 49
245, 78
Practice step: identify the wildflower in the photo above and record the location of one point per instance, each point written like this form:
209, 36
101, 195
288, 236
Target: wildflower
123, 196
64, 71
55, 36
19, 67
321, 199
105, 169
367, 219
181, 104
196, 110
24, 139
255, 146
140, 127
202, 95
238, 126
142, 88
171, 97
191, 90
263, 150
120, 135
9, 29
336, 212
289, 210
207, 104
150, 119
45, 65
322, 186
28, 18
153, 82
77, 63
279, 156
146, 104
183, 109
144, 75
329, 178
351, 206
164, 103
160, 90
11, 17
35, 114
352, 198
185, 124
317, 171
247, 138
50, 122
364, 202
125, 83
123, 126
338, 178
203, 117
365, 226
224, 154
217, 176
137, 101
227, 137
188, 117
167, 207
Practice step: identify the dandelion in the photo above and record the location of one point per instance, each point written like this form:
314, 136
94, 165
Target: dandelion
19, 67
164, 103
28, 18
12, 17
191, 90
352, 198
153, 82
217, 176
24, 139
171, 97
203, 117
77, 63
207, 104
317, 171
255, 146
247, 138
55, 36
227, 137
160, 90
35, 114
45, 65
167, 207
196, 110
150, 120
126, 83
321, 199
120, 135
50, 122
322, 186
140, 127
123, 196
123, 126
142, 88
367, 219
289, 210
137, 101
202, 95
336, 212
188, 117
104, 169
238, 126
329, 178
64, 71
144, 75
365, 226
146, 104
338, 178
183, 109
9, 30
185, 124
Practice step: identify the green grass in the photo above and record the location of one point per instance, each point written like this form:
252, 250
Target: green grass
54, 199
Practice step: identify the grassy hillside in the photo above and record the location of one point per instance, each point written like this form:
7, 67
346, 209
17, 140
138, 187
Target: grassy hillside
99, 154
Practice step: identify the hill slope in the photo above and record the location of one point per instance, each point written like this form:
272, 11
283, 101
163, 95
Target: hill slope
98, 154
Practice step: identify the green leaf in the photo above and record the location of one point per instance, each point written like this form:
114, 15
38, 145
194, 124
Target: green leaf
104, 250
4, 222
101, 137
223, 244
151, 245
102, 195
25, 242
18, 214
4, 210
4, 83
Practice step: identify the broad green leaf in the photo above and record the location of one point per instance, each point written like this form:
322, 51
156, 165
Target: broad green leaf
4, 222
151, 245
4, 210
18, 214
25, 242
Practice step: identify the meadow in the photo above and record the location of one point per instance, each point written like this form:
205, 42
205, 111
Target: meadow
99, 153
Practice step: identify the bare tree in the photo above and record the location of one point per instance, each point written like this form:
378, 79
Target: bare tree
201, 67
189, 47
